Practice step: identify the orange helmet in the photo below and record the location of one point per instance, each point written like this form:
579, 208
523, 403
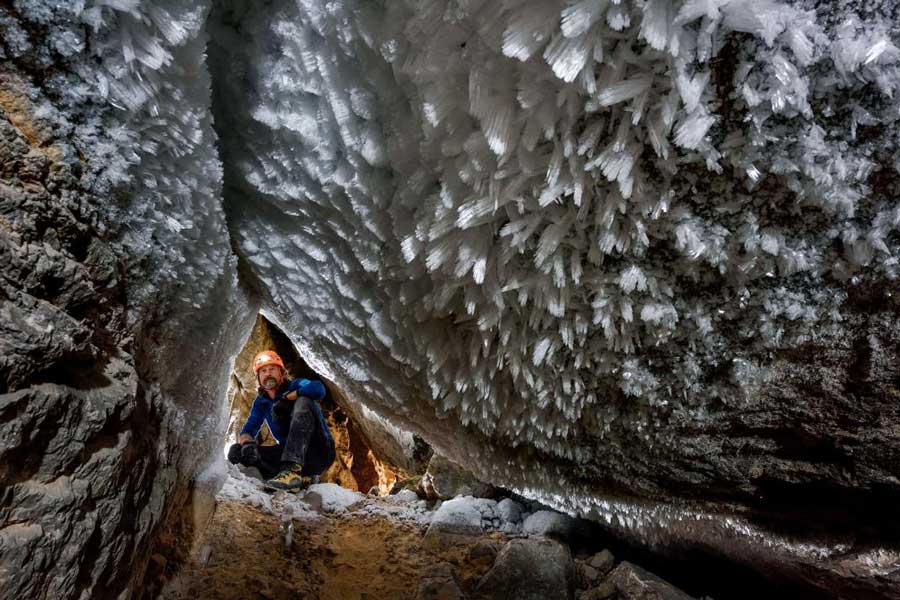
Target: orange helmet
266, 357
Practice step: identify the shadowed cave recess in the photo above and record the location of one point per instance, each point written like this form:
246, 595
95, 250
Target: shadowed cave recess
635, 260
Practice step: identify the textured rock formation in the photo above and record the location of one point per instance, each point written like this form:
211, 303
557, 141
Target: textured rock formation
530, 569
444, 479
119, 306
636, 259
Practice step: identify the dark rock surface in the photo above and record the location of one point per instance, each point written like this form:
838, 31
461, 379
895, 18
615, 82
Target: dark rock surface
439, 583
444, 479
529, 569
634, 583
106, 391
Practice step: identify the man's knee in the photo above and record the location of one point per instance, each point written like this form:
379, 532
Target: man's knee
303, 410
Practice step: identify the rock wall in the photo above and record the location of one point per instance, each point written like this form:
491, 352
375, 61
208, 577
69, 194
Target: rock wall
119, 305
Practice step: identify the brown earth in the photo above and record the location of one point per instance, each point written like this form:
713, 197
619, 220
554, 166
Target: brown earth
346, 557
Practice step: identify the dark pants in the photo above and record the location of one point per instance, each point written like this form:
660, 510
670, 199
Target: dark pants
306, 443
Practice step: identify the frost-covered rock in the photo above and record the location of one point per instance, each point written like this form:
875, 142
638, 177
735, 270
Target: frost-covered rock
549, 523
459, 515
454, 521
335, 499
509, 510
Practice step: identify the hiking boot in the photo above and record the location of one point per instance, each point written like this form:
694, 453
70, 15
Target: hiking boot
289, 479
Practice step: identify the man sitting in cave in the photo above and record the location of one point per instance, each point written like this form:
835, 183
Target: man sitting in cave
290, 411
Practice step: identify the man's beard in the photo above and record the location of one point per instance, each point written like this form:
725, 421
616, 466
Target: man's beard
270, 383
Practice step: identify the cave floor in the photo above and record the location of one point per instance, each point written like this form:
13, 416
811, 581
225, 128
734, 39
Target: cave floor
349, 556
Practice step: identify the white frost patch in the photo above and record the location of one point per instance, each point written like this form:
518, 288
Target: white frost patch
246, 490
336, 498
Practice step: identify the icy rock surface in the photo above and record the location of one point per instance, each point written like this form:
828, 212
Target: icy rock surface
119, 304
593, 250
334, 497
549, 523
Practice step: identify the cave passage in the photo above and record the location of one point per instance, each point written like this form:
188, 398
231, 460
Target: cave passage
356, 466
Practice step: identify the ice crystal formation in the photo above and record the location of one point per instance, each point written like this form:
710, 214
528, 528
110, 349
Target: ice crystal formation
540, 211
589, 248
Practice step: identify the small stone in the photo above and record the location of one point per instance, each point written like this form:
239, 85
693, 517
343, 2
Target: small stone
600, 592
587, 575
509, 528
404, 497
314, 500
603, 561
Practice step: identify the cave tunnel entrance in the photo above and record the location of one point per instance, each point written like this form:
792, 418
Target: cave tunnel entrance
357, 466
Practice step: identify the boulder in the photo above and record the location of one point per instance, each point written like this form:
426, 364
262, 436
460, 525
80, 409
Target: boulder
509, 510
445, 479
529, 569
551, 524
454, 521
603, 561
634, 583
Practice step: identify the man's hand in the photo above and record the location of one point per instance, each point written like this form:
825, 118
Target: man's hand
234, 454
249, 453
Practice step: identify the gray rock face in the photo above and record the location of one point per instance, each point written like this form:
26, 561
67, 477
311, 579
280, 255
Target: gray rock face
634, 583
549, 523
444, 479
529, 569
116, 324
439, 583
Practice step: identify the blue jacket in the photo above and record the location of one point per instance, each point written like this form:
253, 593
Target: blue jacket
261, 411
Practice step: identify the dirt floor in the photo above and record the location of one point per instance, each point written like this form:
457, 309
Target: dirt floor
242, 555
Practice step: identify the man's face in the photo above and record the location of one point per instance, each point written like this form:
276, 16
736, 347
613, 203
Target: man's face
270, 376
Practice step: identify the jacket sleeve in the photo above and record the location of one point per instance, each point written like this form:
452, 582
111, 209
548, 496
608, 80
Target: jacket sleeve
314, 389
255, 418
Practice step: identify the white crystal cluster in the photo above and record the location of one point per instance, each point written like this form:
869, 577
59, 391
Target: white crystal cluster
534, 215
